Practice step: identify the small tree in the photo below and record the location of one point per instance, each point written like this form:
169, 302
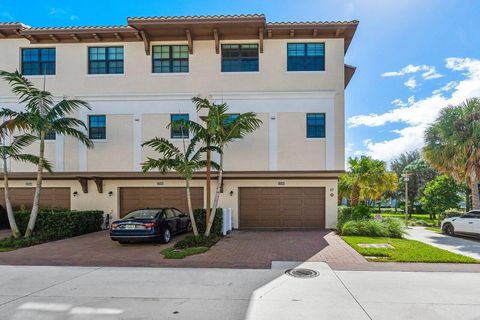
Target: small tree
43, 115
184, 163
13, 152
440, 194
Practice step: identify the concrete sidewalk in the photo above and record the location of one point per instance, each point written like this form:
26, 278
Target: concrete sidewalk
463, 246
151, 293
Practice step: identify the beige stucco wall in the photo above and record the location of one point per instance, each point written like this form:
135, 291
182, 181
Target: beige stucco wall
34, 149
204, 78
295, 150
116, 152
110, 204
72, 79
251, 152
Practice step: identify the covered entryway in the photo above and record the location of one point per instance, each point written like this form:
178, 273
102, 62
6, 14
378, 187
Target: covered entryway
49, 198
288, 207
132, 198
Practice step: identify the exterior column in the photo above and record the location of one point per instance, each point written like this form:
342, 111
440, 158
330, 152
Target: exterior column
137, 141
272, 141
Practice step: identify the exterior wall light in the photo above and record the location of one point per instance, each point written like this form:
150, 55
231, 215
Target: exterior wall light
110, 193
231, 193
75, 193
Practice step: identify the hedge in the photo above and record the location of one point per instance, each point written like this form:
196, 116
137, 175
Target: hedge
389, 227
54, 224
199, 215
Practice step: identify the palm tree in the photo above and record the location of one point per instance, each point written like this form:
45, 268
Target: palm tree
452, 144
13, 151
227, 131
43, 115
219, 130
367, 179
184, 163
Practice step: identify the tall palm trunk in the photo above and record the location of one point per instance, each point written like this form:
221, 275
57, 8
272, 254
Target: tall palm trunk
38, 188
208, 187
474, 188
217, 196
355, 195
8, 204
190, 209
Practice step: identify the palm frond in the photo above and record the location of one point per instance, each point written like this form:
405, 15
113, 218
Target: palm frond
162, 145
30, 158
72, 132
163, 165
66, 107
68, 122
22, 141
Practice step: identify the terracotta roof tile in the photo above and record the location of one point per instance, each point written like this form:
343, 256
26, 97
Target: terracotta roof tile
284, 23
80, 28
167, 18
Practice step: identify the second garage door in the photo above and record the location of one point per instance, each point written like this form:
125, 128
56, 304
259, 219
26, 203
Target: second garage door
49, 198
136, 198
289, 207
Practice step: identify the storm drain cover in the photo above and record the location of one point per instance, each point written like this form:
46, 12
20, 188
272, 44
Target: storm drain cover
302, 273
376, 245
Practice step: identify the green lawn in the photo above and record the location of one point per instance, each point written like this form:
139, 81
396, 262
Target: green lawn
405, 251
172, 253
435, 229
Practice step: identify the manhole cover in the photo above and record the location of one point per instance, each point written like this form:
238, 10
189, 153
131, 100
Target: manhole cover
376, 245
302, 273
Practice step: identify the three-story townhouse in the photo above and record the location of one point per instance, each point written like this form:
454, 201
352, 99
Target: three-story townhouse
139, 77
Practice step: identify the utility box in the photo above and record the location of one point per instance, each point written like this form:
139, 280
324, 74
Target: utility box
227, 221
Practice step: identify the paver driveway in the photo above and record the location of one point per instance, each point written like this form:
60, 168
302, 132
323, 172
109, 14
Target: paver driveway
241, 249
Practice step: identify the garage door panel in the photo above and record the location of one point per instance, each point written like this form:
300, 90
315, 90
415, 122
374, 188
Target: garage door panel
282, 207
49, 198
133, 198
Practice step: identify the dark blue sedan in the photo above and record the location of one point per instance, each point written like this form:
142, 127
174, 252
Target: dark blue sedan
150, 224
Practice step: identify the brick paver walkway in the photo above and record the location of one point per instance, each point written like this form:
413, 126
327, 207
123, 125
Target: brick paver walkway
242, 249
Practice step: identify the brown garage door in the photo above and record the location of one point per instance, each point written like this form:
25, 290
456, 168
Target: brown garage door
49, 198
288, 207
136, 198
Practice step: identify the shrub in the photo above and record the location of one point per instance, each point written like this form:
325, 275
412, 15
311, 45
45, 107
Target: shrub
344, 215
200, 214
450, 213
360, 212
11, 243
193, 242
54, 224
389, 227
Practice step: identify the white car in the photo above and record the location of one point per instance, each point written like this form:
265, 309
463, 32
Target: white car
467, 224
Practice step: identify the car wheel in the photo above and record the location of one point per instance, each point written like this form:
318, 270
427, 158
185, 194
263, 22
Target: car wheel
448, 229
166, 235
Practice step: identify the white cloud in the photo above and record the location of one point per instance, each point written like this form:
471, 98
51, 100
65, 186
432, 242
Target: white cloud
431, 74
417, 115
449, 86
411, 83
63, 14
428, 72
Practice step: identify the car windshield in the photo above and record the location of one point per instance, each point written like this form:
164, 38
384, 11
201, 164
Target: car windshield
142, 214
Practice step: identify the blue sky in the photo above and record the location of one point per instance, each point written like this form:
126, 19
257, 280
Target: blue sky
413, 57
